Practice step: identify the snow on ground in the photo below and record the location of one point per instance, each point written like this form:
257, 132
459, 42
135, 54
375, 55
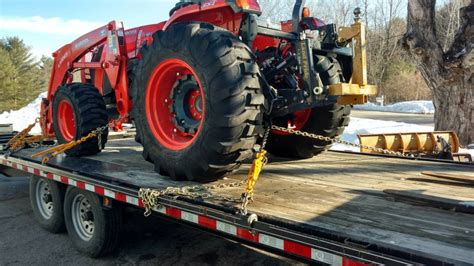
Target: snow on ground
470, 151
25, 116
414, 107
371, 126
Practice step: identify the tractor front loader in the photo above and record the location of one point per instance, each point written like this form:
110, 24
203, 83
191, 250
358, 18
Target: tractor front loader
203, 87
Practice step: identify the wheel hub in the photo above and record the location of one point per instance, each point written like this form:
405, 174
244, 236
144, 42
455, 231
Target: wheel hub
47, 198
175, 104
187, 105
44, 199
82, 217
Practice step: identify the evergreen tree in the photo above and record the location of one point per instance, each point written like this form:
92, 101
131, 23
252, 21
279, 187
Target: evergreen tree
7, 72
20, 75
46, 65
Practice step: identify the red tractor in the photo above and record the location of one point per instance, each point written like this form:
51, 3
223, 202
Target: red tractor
203, 86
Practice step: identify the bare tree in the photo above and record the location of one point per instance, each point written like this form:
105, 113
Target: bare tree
339, 12
448, 74
385, 29
276, 10
448, 20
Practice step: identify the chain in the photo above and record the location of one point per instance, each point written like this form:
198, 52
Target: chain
339, 141
59, 149
265, 137
23, 139
150, 197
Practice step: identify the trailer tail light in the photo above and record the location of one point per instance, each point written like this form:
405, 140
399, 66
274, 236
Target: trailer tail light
248, 5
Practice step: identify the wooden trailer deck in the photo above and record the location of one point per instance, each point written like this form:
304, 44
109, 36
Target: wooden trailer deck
376, 202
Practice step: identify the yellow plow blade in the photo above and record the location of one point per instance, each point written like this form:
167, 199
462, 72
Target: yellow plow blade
417, 142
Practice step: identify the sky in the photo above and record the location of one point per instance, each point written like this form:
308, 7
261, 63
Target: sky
46, 25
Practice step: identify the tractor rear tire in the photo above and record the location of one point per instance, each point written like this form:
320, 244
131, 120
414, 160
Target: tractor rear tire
329, 120
227, 80
78, 109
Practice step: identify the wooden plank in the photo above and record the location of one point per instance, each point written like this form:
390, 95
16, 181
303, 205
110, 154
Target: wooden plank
459, 178
446, 203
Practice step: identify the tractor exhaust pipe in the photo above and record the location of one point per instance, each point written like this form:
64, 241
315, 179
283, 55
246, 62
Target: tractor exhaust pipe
297, 14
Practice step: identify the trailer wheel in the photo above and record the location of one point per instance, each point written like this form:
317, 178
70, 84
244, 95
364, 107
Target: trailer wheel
46, 198
198, 102
93, 229
78, 109
328, 121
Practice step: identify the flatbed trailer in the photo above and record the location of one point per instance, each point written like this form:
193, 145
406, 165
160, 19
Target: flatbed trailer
337, 209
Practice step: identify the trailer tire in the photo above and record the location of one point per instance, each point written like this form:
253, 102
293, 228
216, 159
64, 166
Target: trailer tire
46, 198
224, 75
93, 229
85, 105
329, 120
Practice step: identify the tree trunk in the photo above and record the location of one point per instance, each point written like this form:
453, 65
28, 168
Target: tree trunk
449, 74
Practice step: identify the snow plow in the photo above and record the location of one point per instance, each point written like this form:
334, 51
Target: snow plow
204, 87
438, 144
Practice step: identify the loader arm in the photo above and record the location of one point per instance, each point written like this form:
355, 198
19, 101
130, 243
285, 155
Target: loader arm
68, 59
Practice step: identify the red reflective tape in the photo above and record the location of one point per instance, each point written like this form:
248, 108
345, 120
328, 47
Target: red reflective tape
25, 168
99, 190
36, 171
349, 262
173, 212
14, 165
81, 185
64, 180
120, 197
140, 203
297, 249
49, 175
246, 234
207, 222
4, 162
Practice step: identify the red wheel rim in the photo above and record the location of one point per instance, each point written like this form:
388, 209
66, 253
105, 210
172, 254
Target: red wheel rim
297, 123
66, 123
159, 104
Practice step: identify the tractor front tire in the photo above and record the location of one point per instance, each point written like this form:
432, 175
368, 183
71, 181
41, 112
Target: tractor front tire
198, 108
78, 109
